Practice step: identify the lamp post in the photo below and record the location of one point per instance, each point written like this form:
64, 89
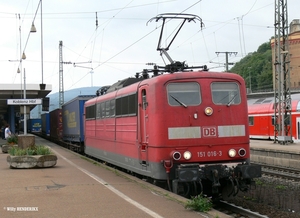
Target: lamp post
32, 30
42, 85
25, 112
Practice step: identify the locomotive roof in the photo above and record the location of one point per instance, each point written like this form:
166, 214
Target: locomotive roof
269, 100
123, 83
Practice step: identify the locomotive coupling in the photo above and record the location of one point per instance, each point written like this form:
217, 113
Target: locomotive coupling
168, 164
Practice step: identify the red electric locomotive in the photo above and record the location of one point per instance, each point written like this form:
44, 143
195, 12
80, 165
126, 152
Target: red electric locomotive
189, 128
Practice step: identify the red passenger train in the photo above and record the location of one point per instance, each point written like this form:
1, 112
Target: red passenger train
188, 128
261, 118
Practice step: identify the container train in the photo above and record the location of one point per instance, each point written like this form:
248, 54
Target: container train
187, 129
261, 118
65, 126
180, 126
33, 126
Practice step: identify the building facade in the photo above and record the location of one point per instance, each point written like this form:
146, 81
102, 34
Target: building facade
294, 51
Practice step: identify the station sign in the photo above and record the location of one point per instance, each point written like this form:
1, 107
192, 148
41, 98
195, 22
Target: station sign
24, 101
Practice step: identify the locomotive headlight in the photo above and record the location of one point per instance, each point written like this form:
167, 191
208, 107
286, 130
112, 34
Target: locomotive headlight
175, 155
232, 153
187, 155
208, 111
242, 152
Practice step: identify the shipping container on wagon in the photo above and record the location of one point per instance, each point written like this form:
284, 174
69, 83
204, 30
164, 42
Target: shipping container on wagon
72, 116
56, 124
46, 124
34, 125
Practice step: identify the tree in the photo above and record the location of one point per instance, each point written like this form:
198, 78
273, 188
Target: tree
256, 68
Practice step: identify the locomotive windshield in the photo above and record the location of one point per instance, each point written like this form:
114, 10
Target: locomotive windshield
225, 93
184, 94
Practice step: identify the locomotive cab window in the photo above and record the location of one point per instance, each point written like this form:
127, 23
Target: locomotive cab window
183, 94
225, 93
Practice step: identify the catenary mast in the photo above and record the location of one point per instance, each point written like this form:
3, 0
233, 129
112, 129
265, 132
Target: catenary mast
61, 81
282, 94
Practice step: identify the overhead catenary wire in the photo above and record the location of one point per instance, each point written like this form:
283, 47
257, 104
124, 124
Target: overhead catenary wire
97, 55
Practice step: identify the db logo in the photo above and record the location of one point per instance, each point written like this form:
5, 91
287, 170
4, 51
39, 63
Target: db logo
209, 131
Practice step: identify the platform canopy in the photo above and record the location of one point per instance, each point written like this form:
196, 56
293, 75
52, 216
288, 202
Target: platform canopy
16, 91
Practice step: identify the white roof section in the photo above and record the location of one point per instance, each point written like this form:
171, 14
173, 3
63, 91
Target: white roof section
16, 91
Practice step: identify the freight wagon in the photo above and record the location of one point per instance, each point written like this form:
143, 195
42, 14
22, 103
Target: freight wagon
72, 119
34, 126
46, 124
56, 125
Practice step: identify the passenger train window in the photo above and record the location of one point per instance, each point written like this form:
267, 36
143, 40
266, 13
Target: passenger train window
225, 93
251, 121
298, 106
184, 94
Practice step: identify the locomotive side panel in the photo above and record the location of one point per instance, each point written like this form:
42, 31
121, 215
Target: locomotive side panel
115, 128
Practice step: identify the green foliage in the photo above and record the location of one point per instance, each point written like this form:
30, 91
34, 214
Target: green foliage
12, 140
15, 151
281, 187
42, 150
34, 150
199, 203
256, 69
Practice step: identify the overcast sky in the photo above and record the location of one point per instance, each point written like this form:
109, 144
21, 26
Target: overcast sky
123, 42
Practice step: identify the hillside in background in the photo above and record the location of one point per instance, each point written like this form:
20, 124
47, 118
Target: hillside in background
68, 95
256, 69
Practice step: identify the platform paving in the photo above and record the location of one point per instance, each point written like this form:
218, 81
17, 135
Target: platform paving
77, 187
275, 154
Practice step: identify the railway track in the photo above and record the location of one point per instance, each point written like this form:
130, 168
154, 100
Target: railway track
237, 211
223, 206
281, 172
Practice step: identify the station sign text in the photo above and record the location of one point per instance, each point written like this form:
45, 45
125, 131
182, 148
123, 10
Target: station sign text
24, 101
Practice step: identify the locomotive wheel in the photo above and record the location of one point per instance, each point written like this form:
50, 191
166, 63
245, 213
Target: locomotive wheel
184, 189
227, 191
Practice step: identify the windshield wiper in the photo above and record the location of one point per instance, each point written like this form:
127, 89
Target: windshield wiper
230, 102
181, 103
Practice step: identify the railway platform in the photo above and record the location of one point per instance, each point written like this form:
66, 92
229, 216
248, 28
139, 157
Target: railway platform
80, 187
268, 152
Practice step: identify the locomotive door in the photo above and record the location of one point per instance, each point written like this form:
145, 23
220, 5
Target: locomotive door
142, 126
